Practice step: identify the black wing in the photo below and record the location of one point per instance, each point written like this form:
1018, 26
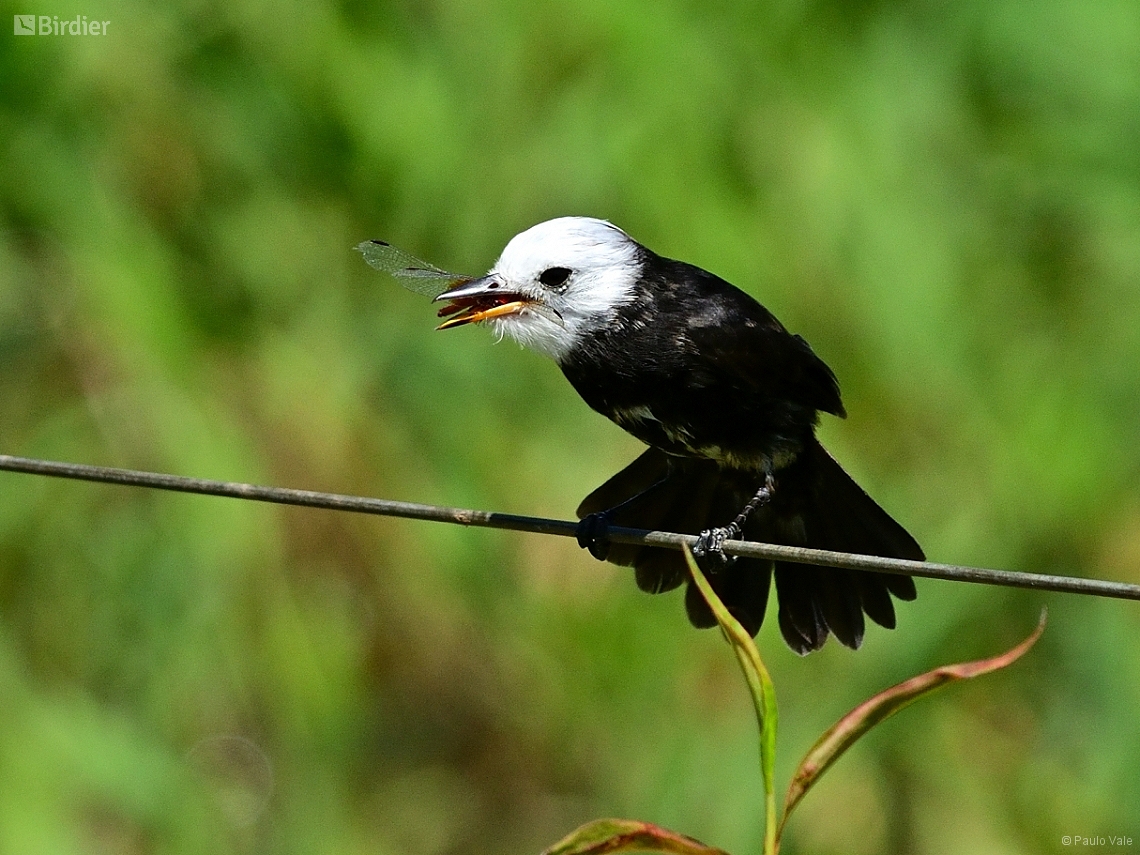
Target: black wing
741, 342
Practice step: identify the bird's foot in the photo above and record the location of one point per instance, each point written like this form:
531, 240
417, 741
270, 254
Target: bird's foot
594, 534
710, 542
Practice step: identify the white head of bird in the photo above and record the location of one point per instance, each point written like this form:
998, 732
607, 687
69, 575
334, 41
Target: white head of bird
552, 284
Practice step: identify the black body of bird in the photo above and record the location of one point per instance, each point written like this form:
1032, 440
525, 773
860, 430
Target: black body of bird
727, 401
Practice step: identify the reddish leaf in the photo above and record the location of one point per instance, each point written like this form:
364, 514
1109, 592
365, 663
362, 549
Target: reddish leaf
844, 733
627, 835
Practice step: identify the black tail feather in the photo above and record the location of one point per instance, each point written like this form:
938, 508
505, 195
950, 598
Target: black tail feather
742, 586
815, 504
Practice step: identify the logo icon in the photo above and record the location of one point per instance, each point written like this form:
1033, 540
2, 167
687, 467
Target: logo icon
51, 25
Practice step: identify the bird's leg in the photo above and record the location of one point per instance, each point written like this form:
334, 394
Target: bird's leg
593, 529
711, 540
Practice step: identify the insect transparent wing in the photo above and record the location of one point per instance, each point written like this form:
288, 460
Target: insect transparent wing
411, 272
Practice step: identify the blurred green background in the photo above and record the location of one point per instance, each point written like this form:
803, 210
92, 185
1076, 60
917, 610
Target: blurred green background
943, 198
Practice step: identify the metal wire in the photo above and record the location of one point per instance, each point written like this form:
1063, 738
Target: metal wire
563, 528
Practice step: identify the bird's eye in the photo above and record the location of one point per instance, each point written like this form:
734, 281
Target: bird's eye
553, 277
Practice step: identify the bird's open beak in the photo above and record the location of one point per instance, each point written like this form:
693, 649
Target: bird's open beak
478, 300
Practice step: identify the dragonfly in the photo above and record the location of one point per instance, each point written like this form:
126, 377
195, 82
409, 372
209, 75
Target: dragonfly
421, 277
411, 272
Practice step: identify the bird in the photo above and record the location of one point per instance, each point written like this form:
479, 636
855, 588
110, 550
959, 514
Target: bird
727, 401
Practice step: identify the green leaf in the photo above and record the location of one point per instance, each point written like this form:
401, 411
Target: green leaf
844, 733
763, 695
627, 835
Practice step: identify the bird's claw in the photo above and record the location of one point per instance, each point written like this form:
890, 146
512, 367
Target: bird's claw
593, 534
710, 542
